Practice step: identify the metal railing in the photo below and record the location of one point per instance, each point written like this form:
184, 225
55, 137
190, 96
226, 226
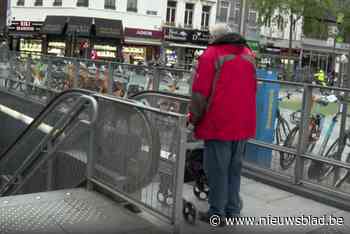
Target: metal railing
19, 165
122, 155
294, 178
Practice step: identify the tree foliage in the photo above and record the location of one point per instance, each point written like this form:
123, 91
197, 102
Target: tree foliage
315, 12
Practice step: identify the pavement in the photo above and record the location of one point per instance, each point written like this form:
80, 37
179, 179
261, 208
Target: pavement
262, 200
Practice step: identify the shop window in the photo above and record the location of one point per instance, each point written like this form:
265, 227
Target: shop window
57, 3
205, 17
110, 4
132, 5
83, 3
189, 15
171, 13
20, 2
38, 3
223, 14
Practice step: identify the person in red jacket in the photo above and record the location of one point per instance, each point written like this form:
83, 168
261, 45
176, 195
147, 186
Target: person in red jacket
223, 112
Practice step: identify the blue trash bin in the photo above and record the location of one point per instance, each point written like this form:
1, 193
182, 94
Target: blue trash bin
267, 104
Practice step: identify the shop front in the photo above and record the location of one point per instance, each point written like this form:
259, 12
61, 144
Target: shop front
25, 37
54, 40
82, 36
182, 46
141, 45
107, 36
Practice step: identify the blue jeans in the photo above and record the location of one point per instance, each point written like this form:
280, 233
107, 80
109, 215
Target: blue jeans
222, 165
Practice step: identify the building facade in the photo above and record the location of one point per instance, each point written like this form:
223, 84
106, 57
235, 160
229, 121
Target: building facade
175, 29
52, 27
185, 26
229, 11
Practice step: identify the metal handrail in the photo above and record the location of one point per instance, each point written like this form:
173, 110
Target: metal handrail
54, 133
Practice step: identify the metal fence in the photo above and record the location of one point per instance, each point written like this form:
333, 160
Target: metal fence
135, 148
312, 158
39, 77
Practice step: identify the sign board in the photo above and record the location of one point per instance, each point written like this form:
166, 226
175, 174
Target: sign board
186, 35
25, 26
144, 33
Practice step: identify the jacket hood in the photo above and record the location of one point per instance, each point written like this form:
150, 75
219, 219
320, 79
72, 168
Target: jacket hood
232, 38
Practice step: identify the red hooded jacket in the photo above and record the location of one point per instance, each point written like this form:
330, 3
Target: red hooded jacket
223, 105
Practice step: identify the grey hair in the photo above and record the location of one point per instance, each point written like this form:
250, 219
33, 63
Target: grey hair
219, 30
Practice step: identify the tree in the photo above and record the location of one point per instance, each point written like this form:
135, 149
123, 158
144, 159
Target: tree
283, 11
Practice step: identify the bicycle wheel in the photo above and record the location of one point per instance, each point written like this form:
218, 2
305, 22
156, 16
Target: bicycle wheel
286, 160
321, 171
282, 130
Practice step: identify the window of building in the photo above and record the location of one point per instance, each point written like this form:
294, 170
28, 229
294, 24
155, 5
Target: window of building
38, 3
83, 3
20, 2
252, 15
223, 14
110, 4
205, 17
237, 10
189, 15
57, 3
171, 13
131, 5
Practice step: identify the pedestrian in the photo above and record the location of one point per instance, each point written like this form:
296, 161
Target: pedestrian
223, 112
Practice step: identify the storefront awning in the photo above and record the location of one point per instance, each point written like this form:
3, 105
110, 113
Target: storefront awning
140, 41
80, 26
54, 25
186, 46
109, 28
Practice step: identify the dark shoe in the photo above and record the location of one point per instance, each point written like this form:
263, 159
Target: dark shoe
212, 220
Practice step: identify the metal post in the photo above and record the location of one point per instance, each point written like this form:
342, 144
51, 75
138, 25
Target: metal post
91, 156
242, 24
344, 111
156, 79
77, 73
28, 75
110, 79
50, 169
180, 171
303, 133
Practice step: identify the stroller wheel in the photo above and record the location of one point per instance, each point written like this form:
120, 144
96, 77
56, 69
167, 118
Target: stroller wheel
201, 192
161, 197
169, 200
189, 212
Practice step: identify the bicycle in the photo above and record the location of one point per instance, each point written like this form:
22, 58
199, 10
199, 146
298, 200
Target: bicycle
315, 129
321, 171
282, 126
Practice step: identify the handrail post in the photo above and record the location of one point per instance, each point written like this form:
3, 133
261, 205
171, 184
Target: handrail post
180, 171
28, 75
91, 157
156, 79
110, 79
77, 74
303, 139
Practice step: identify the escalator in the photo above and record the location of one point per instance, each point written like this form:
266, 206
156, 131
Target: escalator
26, 160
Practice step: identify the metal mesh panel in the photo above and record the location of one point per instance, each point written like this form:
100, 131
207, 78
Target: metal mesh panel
23, 149
137, 151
